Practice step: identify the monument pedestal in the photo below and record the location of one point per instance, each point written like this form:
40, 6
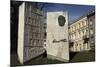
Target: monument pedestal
57, 58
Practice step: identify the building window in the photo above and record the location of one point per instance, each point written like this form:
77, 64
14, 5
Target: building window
71, 36
92, 36
71, 29
76, 26
74, 35
91, 28
79, 24
80, 47
82, 23
45, 45
87, 31
83, 31
79, 34
86, 23
76, 44
91, 32
91, 21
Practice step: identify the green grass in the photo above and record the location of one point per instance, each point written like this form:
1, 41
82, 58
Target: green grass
36, 61
74, 57
84, 57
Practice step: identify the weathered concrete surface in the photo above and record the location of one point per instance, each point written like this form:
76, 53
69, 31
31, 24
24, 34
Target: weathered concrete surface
21, 32
57, 37
30, 32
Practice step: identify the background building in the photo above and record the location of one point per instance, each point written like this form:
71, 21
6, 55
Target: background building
80, 35
91, 20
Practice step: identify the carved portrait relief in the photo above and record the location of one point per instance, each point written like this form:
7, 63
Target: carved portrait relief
61, 20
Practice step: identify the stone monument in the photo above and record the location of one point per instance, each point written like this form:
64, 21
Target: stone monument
30, 32
57, 36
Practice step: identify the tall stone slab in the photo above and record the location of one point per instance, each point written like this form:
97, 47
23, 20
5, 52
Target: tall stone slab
57, 36
30, 32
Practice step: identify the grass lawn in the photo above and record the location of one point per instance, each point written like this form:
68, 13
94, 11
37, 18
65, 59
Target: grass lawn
83, 57
74, 57
36, 61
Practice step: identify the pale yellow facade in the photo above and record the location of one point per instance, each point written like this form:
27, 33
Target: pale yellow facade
78, 31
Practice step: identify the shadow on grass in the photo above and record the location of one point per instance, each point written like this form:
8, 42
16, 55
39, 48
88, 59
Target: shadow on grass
72, 54
85, 56
40, 60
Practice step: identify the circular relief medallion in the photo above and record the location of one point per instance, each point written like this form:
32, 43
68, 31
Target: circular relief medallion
61, 20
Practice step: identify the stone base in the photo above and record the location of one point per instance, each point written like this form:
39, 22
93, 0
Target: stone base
57, 58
